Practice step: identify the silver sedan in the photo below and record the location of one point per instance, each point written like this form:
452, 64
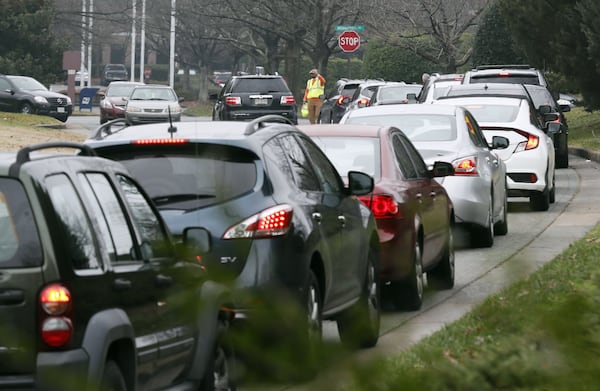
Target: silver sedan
451, 134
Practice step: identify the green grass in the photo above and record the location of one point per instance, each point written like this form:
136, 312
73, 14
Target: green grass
198, 109
542, 333
27, 120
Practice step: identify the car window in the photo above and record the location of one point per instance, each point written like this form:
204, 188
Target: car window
304, 176
352, 153
4, 85
513, 79
19, 240
119, 90
493, 112
415, 156
260, 85
417, 127
73, 222
329, 177
541, 96
474, 132
403, 158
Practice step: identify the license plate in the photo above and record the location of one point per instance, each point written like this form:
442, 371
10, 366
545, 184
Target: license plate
60, 109
261, 101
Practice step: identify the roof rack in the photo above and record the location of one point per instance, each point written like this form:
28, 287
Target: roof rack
502, 66
260, 122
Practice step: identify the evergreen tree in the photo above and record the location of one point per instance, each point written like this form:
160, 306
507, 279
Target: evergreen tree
494, 43
27, 46
394, 63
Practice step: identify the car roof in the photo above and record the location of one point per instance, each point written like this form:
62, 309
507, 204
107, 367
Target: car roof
494, 100
344, 130
403, 109
485, 89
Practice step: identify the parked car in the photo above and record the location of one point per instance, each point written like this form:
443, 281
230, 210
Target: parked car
113, 72
94, 294
529, 157
363, 93
114, 99
24, 94
395, 93
505, 73
436, 85
282, 223
414, 214
546, 109
478, 188
248, 97
86, 76
336, 100
567, 99
221, 77
153, 103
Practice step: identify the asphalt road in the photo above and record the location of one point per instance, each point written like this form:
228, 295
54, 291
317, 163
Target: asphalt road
533, 239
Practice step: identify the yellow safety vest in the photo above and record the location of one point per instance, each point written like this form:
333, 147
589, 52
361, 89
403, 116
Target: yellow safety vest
315, 88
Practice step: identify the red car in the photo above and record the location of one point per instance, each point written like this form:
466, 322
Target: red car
112, 102
413, 212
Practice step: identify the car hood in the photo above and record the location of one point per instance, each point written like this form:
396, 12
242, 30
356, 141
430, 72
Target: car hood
46, 94
152, 104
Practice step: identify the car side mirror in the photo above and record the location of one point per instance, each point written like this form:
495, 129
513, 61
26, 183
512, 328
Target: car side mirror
411, 97
499, 142
545, 109
196, 240
442, 169
550, 117
359, 183
552, 127
565, 108
181, 99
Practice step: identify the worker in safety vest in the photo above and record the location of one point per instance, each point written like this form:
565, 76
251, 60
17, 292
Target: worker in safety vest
314, 95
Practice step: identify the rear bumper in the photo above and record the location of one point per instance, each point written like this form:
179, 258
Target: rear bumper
250, 115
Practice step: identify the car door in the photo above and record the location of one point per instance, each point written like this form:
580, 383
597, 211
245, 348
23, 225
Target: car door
7, 99
350, 250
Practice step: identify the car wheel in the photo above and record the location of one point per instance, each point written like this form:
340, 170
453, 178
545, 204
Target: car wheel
358, 326
112, 378
442, 275
562, 152
484, 236
26, 108
407, 294
501, 227
313, 329
220, 373
541, 201
552, 194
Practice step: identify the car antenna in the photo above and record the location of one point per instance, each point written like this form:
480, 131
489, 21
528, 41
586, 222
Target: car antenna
172, 129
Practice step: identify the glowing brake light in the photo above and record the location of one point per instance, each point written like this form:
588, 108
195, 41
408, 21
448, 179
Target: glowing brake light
233, 100
466, 166
532, 142
160, 141
504, 73
271, 222
340, 100
56, 326
287, 100
382, 205
362, 102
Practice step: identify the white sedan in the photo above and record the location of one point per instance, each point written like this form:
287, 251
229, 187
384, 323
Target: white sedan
530, 156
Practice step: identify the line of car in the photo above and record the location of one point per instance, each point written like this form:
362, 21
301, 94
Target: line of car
318, 222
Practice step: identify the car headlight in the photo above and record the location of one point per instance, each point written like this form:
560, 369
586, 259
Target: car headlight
133, 109
69, 101
106, 104
40, 99
174, 109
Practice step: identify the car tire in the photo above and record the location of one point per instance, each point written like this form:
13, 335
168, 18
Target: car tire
540, 202
562, 152
442, 275
220, 373
407, 294
112, 378
313, 329
26, 108
501, 227
358, 326
483, 236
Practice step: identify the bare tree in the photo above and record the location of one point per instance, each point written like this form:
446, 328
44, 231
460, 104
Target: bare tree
432, 29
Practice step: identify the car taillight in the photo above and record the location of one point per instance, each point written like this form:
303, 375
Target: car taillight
466, 166
382, 205
532, 142
233, 100
504, 74
362, 102
271, 222
287, 100
160, 141
56, 325
340, 100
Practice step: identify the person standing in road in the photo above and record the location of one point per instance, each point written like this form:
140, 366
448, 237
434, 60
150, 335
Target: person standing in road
314, 94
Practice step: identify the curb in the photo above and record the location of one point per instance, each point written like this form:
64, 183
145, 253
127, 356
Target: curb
585, 153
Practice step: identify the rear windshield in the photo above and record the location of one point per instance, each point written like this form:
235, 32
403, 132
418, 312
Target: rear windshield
352, 153
191, 177
417, 127
493, 113
512, 79
19, 240
260, 85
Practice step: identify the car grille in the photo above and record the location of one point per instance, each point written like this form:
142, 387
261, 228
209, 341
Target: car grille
60, 102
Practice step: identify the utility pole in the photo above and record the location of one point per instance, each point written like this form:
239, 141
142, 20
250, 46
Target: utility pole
89, 43
83, 37
172, 51
133, 32
143, 42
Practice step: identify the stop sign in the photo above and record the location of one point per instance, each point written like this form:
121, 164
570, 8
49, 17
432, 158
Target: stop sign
349, 41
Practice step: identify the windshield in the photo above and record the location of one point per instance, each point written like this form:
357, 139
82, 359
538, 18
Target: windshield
28, 83
417, 127
493, 113
119, 90
352, 153
149, 93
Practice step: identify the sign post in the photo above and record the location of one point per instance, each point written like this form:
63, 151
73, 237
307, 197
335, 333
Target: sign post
349, 41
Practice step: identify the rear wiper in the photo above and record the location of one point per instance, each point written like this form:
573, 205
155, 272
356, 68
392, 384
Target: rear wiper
169, 198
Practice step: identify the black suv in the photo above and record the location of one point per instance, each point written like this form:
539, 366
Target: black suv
26, 95
514, 73
248, 97
113, 72
283, 225
92, 292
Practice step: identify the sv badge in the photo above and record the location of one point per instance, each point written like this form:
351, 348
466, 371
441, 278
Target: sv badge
228, 259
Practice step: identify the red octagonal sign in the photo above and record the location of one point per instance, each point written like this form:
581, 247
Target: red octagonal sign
349, 41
